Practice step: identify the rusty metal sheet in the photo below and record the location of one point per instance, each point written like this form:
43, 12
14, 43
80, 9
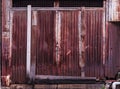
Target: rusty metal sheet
55, 35
113, 60
93, 56
19, 47
69, 44
45, 46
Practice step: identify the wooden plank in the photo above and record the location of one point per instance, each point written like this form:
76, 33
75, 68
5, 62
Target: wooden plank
6, 55
56, 8
104, 35
83, 35
49, 79
28, 62
58, 36
11, 25
81, 64
107, 10
7, 15
63, 77
33, 45
47, 8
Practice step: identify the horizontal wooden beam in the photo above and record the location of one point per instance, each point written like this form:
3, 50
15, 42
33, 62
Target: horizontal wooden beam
62, 77
49, 79
55, 8
46, 8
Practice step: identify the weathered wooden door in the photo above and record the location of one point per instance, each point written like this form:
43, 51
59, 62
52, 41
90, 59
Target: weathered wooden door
56, 43
62, 42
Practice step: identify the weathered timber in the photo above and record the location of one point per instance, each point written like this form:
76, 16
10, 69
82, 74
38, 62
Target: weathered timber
44, 79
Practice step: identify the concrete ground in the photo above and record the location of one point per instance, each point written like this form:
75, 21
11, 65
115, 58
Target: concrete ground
60, 86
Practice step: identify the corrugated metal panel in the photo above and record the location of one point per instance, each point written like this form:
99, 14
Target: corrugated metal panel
113, 61
69, 57
45, 44
46, 61
19, 47
93, 25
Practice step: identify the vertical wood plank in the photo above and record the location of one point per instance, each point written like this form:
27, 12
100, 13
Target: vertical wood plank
58, 36
28, 63
104, 35
33, 45
6, 4
104, 42
11, 25
83, 34
81, 64
107, 10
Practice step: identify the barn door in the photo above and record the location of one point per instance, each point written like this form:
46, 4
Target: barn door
63, 43
55, 43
